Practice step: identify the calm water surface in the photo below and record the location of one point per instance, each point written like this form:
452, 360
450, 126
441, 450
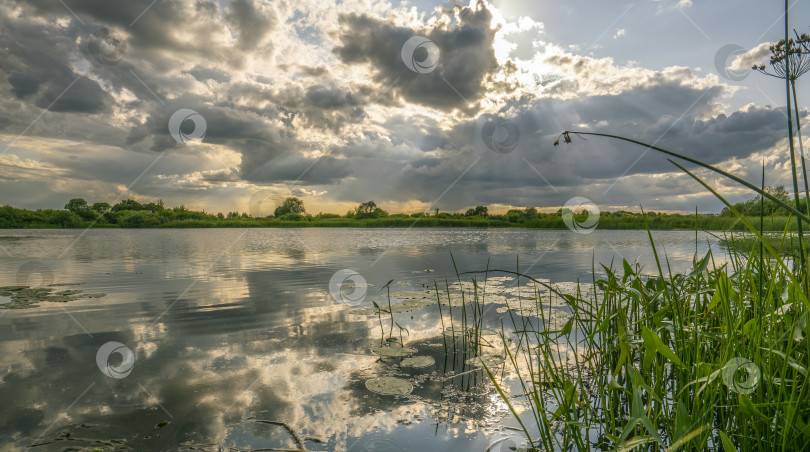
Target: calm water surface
229, 326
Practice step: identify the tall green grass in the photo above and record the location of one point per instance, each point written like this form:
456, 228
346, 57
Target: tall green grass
653, 363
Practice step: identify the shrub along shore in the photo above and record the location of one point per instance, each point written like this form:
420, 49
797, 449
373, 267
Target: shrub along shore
292, 214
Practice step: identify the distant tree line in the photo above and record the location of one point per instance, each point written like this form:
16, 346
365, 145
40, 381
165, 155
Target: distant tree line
753, 207
129, 213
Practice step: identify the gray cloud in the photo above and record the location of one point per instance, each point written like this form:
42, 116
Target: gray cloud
467, 58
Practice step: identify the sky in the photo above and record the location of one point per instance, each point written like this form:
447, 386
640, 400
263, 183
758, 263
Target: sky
416, 105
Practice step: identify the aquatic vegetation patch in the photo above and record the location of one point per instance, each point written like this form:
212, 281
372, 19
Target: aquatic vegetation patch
393, 351
418, 362
389, 386
24, 297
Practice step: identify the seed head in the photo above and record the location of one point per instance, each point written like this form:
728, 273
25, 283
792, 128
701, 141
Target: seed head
790, 59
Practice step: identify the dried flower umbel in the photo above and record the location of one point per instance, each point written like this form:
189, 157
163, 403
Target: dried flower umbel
803, 40
789, 59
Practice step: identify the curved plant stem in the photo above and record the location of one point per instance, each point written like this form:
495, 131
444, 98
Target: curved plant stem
739, 180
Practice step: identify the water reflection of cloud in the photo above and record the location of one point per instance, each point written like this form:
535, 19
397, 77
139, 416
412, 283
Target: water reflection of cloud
257, 335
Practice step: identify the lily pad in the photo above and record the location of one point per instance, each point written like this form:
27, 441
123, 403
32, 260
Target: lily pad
489, 360
389, 386
418, 362
393, 351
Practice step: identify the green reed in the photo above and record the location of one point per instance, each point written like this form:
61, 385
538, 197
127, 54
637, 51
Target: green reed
654, 358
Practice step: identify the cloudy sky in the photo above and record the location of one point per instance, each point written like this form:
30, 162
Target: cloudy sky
237, 104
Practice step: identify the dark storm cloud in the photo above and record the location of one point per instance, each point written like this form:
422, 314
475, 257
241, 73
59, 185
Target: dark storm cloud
467, 57
250, 23
83, 96
151, 33
321, 104
36, 65
271, 152
464, 171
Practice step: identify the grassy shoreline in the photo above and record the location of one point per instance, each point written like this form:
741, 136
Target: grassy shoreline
550, 221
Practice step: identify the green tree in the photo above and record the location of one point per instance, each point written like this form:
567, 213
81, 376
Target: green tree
100, 207
75, 204
480, 211
139, 219
366, 208
154, 206
291, 205
127, 204
64, 219
369, 209
514, 215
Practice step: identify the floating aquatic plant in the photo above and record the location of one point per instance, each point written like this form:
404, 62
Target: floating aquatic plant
389, 386
418, 362
393, 351
23, 297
